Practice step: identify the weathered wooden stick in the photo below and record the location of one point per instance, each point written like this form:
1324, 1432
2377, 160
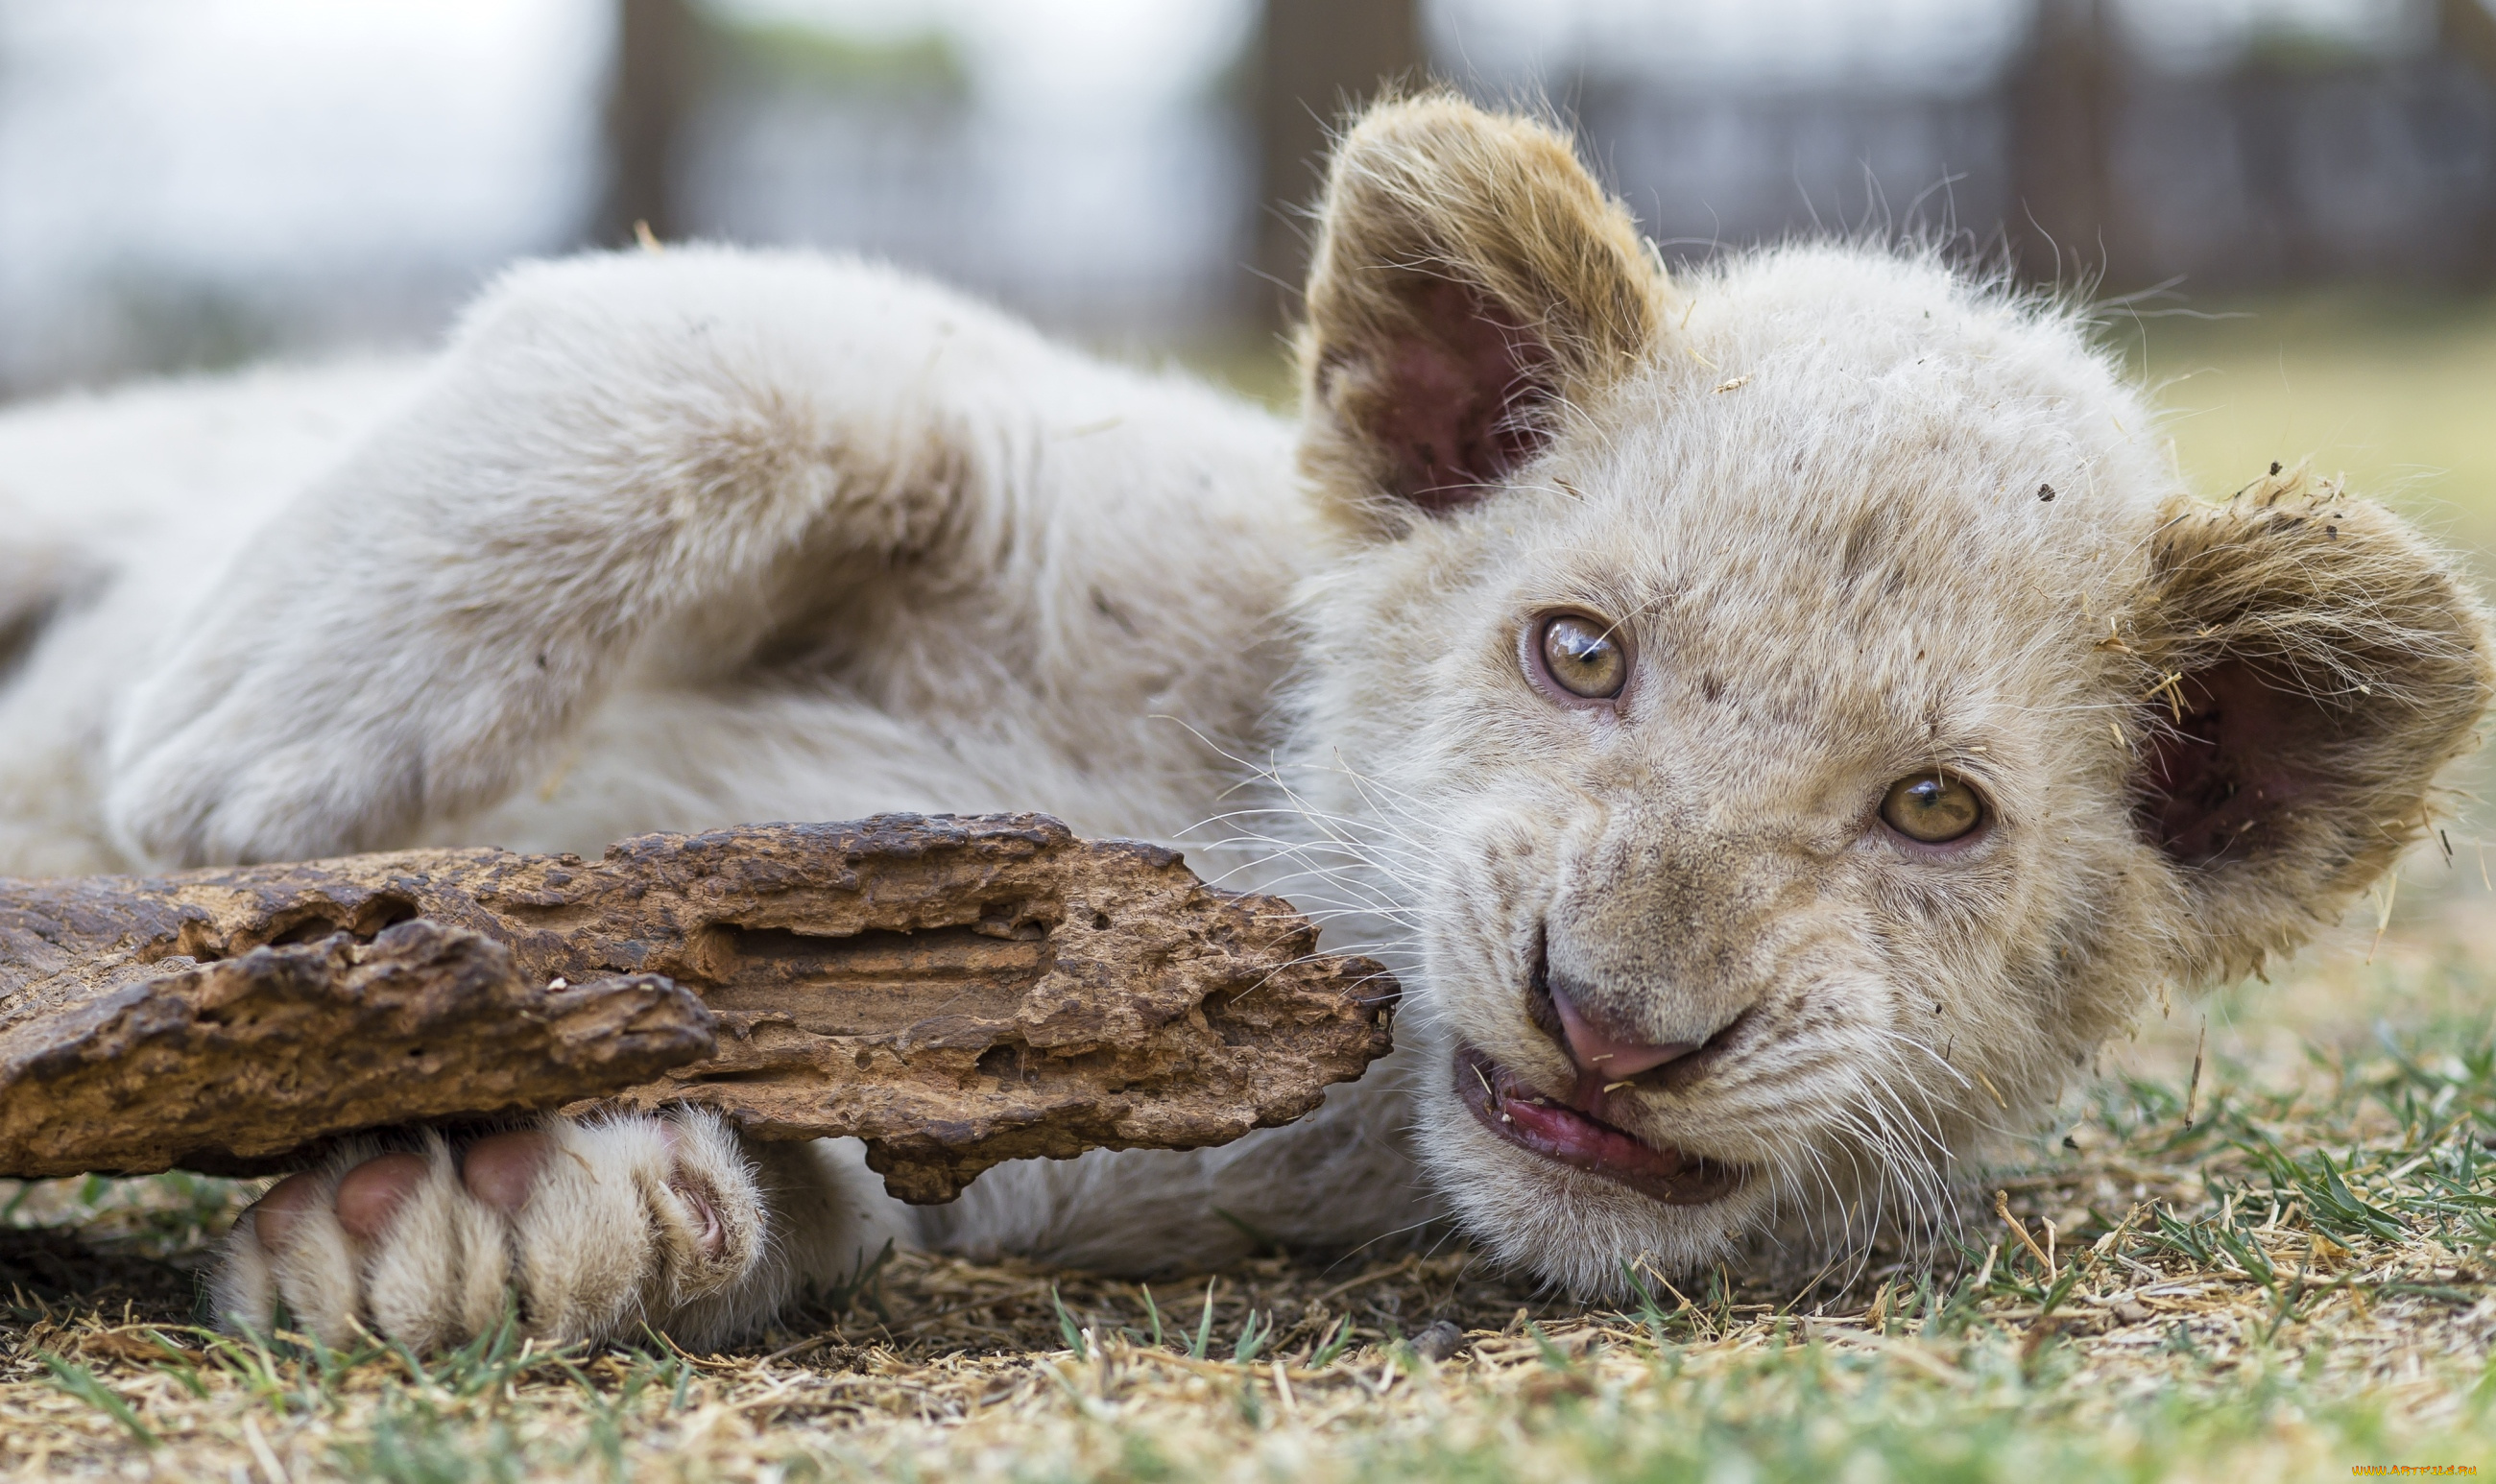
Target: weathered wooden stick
227, 1066
954, 991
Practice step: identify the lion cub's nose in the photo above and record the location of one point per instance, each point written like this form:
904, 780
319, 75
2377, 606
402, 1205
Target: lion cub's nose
1602, 1051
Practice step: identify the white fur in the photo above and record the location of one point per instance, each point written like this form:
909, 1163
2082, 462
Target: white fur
671, 541
622, 560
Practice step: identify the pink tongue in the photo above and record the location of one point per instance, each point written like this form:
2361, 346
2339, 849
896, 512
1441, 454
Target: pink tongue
1606, 1058
1585, 1144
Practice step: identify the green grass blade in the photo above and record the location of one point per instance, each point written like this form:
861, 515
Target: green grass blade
81, 1383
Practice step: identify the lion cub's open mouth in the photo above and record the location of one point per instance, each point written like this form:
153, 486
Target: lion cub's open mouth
1565, 1136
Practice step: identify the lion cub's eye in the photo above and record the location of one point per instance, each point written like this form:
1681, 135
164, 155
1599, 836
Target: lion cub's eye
1934, 808
1581, 656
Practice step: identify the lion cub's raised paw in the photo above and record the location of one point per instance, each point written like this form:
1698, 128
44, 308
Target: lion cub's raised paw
594, 1228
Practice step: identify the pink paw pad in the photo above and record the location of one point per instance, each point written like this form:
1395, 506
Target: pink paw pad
501, 1169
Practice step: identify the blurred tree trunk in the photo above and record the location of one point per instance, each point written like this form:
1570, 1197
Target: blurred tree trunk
2467, 29
2065, 213
1316, 60
649, 96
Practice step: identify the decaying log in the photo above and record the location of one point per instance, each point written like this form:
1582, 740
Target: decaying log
954, 991
222, 1065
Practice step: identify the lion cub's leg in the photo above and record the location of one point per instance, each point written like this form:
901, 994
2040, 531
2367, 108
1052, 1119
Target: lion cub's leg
594, 1228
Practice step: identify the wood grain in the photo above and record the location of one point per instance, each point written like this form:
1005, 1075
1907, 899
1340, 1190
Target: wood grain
956, 990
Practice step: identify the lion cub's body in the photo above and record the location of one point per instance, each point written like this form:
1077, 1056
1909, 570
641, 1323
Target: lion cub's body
671, 540
1118, 543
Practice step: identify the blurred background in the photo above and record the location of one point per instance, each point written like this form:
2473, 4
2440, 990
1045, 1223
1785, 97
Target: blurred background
2289, 206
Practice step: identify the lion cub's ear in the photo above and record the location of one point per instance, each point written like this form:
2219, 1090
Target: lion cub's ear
1470, 281
2314, 666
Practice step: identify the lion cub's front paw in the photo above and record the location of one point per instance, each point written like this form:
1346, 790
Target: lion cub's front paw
246, 777
594, 1228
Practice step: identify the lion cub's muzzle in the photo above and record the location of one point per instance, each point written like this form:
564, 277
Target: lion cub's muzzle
1577, 1129
1609, 1052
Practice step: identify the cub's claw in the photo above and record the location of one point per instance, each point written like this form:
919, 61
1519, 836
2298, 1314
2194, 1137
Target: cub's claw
594, 1228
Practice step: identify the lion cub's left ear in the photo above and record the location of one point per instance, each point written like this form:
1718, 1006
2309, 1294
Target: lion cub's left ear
2315, 665
1471, 280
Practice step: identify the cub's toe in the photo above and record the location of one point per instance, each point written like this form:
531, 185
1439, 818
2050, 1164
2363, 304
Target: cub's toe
291, 1255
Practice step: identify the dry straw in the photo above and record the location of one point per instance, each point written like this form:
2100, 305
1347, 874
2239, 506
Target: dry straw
2294, 1283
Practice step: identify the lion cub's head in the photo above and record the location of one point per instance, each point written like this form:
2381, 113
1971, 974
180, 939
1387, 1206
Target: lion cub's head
1794, 710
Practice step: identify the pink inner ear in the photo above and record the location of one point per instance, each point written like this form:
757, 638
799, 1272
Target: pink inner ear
1458, 398
2215, 780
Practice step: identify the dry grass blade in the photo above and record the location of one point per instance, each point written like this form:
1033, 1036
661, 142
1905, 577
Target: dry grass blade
2295, 1281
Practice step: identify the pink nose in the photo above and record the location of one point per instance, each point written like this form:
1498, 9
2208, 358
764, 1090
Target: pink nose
1600, 1053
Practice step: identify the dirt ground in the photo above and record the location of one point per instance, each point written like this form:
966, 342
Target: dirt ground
2281, 1268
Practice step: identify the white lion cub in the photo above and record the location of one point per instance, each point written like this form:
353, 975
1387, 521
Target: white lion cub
1763, 713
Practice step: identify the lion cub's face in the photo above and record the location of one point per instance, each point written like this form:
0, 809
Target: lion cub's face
1791, 714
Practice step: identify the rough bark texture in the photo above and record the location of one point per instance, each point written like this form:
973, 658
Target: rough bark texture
953, 991
224, 1065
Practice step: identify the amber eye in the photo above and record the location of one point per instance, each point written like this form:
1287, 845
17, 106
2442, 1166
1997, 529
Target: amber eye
1934, 808
1581, 657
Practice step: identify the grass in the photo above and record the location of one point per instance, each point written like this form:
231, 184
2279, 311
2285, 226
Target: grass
2396, 394
2278, 1268
2282, 1269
